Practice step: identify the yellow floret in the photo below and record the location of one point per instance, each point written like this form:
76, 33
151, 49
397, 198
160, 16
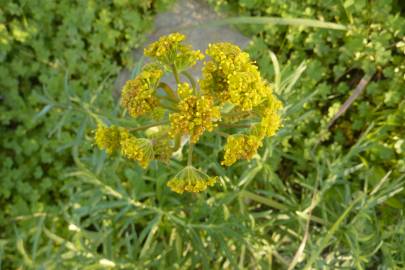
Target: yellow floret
240, 147
196, 115
191, 179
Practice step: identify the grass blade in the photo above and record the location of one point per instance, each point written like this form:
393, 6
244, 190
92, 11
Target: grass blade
325, 241
267, 201
277, 73
273, 21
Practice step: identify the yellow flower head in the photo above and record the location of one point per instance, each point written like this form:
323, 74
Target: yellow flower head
169, 50
240, 147
231, 76
196, 115
108, 138
191, 179
138, 95
138, 149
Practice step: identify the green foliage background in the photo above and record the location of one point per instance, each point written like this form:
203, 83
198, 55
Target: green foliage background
59, 48
64, 205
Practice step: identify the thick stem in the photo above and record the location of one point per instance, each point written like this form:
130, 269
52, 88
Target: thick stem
175, 74
169, 91
190, 154
177, 143
166, 98
168, 107
191, 79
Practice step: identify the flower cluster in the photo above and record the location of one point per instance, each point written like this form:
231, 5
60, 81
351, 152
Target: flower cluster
117, 138
230, 97
231, 76
138, 95
196, 115
170, 51
240, 147
191, 179
108, 138
138, 149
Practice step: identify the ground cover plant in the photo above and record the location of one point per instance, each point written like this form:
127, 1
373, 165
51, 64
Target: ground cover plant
323, 192
57, 48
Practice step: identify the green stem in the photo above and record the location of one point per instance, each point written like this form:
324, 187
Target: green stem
167, 98
175, 74
191, 79
177, 143
169, 91
167, 106
190, 154
149, 126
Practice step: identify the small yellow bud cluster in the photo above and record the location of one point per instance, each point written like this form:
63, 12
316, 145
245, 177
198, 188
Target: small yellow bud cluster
138, 95
196, 115
231, 94
240, 147
191, 179
169, 51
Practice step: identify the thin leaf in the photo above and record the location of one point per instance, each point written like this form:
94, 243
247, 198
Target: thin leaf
277, 73
273, 21
44, 111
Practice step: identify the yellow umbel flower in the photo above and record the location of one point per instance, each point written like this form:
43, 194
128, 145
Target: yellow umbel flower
138, 149
240, 147
271, 120
191, 179
169, 50
231, 76
196, 115
246, 89
138, 95
108, 138
230, 95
